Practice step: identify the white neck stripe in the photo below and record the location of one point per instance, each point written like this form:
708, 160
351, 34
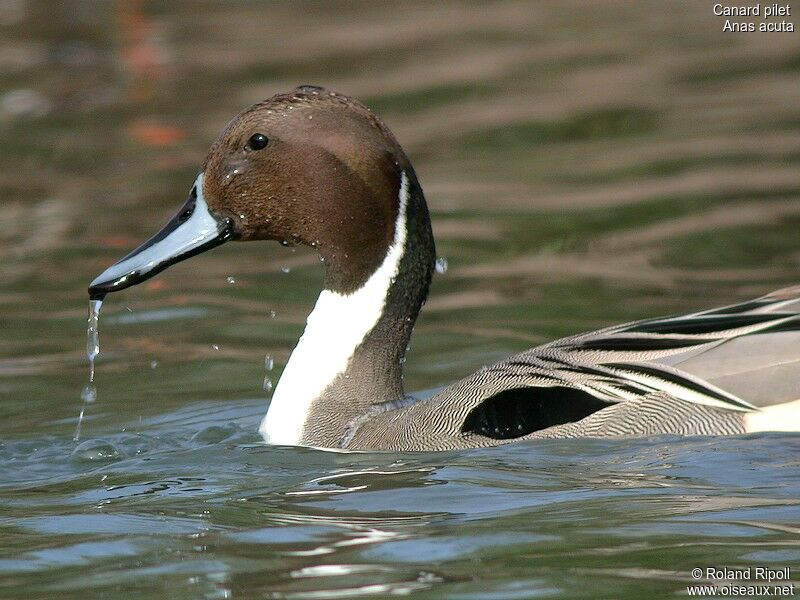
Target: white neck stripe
334, 329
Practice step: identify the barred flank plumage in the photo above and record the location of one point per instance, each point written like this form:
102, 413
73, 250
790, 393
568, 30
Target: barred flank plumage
693, 374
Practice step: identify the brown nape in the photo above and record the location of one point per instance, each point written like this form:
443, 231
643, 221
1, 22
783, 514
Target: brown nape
328, 177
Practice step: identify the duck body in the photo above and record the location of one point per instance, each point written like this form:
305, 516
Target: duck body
317, 168
727, 371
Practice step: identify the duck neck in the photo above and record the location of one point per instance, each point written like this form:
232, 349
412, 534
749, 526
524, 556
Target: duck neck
350, 356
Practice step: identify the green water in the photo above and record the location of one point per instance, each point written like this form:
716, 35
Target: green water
585, 164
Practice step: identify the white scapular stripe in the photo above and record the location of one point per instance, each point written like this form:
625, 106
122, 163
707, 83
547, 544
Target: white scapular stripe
334, 329
195, 231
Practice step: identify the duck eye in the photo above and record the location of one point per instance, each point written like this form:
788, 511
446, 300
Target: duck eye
257, 141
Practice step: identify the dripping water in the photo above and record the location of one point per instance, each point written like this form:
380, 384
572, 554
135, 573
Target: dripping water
89, 392
267, 386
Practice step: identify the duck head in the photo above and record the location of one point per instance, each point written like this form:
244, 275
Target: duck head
310, 167
316, 168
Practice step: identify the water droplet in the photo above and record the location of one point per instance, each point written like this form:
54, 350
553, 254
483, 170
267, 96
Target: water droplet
441, 265
231, 280
89, 393
215, 346
285, 269
267, 385
269, 363
153, 364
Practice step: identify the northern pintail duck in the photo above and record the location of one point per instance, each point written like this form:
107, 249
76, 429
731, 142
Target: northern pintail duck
317, 168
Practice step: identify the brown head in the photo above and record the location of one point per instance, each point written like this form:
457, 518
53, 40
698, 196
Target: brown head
310, 167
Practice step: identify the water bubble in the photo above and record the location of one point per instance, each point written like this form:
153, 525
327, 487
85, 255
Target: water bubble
441, 265
285, 269
96, 451
269, 363
230, 280
89, 393
267, 385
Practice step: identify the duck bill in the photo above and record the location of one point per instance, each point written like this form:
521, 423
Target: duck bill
193, 230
